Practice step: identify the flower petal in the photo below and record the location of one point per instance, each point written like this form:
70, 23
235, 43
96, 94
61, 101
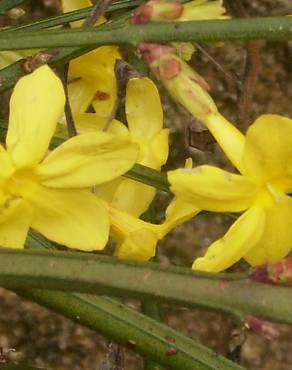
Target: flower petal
70, 5
5, 165
212, 189
75, 218
88, 122
230, 139
97, 66
154, 152
159, 147
87, 160
36, 104
128, 196
276, 240
15, 219
80, 94
140, 245
243, 235
143, 108
268, 148
177, 213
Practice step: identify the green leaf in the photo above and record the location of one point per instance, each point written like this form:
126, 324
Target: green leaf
96, 274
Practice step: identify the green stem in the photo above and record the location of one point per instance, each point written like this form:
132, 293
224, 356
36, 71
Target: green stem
153, 310
90, 273
132, 329
75, 15
269, 28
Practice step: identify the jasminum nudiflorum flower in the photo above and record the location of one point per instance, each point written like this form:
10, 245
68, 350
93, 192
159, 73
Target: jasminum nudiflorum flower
263, 158
51, 192
145, 127
91, 76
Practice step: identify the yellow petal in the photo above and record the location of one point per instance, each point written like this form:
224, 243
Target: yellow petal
230, 139
70, 5
138, 246
36, 104
74, 218
81, 94
105, 97
268, 149
87, 160
159, 147
97, 65
15, 219
212, 189
200, 10
276, 240
132, 197
177, 213
88, 122
143, 108
241, 237
5, 165
154, 152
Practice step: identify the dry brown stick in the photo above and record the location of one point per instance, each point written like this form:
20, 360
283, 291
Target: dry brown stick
97, 11
123, 72
251, 67
63, 74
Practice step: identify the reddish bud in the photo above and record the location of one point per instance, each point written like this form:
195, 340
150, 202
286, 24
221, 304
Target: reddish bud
157, 10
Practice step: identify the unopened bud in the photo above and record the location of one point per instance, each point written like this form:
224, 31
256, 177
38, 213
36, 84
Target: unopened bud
157, 10
184, 85
165, 10
15, 13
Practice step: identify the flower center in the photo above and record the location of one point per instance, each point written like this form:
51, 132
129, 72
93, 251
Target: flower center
22, 183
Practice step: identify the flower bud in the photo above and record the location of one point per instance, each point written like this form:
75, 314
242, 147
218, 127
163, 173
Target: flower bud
165, 10
184, 85
157, 10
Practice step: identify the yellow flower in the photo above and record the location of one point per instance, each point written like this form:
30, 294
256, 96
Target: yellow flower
50, 192
92, 74
263, 157
145, 127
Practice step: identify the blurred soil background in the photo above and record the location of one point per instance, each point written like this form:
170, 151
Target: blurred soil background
41, 338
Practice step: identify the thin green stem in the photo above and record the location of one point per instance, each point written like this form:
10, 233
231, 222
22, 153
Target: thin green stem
70, 17
132, 329
269, 28
90, 273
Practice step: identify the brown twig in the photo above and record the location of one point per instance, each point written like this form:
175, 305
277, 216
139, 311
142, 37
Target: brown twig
123, 72
97, 11
63, 74
228, 75
251, 67
113, 359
